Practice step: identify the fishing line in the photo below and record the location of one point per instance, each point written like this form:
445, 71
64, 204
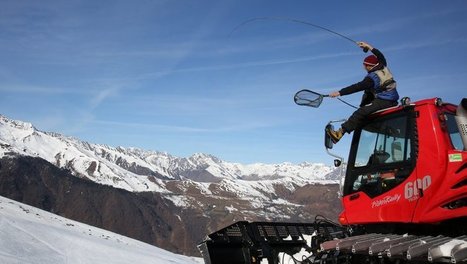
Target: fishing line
349, 104
299, 22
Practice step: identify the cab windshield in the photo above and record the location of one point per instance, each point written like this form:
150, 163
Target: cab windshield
382, 155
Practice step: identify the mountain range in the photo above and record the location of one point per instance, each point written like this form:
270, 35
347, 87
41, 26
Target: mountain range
200, 193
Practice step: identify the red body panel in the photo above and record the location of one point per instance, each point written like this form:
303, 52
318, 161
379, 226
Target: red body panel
422, 197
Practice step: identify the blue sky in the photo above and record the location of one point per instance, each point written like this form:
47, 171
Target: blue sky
168, 75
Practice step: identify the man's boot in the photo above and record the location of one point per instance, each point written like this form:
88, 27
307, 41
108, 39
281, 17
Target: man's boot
335, 135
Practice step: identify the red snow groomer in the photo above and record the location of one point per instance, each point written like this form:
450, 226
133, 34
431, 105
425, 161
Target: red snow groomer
404, 198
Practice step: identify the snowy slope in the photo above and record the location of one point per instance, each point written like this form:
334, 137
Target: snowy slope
31, 235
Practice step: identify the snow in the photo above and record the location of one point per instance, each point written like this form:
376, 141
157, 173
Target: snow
21, 137
31, 235
116, 167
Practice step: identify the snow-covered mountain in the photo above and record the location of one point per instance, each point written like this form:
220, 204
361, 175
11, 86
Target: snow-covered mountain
29, 235
140, 170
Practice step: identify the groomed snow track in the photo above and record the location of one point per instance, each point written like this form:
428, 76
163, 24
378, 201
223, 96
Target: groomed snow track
252, 242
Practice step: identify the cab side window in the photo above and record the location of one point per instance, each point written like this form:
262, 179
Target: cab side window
453, 131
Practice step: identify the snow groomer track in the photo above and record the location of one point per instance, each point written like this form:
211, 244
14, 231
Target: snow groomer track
433, 249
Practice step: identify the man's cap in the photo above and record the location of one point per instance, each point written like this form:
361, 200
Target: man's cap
371, 60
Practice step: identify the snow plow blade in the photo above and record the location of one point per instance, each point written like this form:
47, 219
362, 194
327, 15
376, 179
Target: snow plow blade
250, 242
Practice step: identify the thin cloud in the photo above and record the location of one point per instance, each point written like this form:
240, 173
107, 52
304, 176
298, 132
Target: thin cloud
102, 95
36, 89
158, 74
185, 129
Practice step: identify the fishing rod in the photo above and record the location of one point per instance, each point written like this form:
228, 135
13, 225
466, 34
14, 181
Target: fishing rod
295, 21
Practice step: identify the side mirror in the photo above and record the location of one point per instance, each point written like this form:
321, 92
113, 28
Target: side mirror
337, 162
327, 139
